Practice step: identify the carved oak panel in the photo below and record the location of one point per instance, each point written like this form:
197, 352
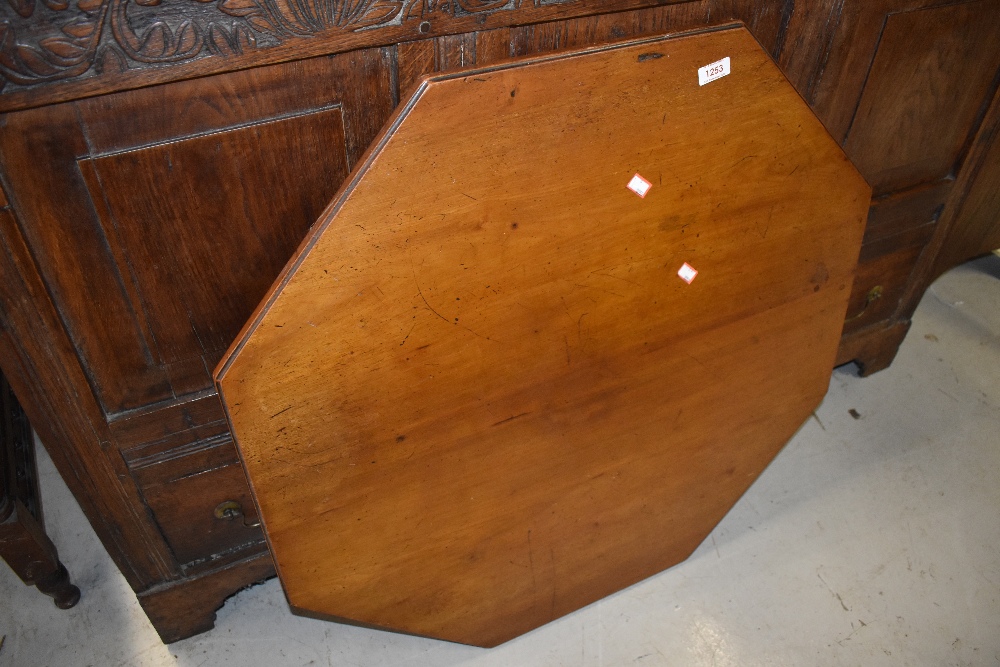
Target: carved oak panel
54, 50
49, 40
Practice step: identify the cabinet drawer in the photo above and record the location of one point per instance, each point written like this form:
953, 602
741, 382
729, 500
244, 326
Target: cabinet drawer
898, 229
198, 495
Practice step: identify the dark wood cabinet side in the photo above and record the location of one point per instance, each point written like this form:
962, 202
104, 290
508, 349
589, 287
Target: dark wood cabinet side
975, 228
144, 226
924, 73
41, 365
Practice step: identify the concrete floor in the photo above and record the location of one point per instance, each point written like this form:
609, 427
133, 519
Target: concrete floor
871, 540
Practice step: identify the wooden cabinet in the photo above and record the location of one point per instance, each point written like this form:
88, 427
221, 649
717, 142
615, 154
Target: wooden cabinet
159, 163
924, 75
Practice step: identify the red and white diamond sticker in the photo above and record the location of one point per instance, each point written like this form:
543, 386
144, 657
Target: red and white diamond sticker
639, 185
687, 273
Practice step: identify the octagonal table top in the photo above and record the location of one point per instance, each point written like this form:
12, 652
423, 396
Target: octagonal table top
557, 321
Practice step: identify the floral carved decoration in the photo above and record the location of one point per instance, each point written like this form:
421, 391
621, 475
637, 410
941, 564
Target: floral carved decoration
50, 40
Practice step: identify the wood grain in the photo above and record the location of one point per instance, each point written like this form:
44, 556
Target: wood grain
977, 228
880, 278
906, 210
183, 489
148, 197
24, 545
42, 367
480, 397
175, 50
413, 61
958, 237
38, 154
163, 256
924, 96
184, 608
74, 339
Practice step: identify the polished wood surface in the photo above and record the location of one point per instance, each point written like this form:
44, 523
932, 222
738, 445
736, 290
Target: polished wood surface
481, 397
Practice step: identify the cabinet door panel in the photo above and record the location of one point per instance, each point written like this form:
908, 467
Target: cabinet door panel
926, 92
50, 199
160, 216
206, 222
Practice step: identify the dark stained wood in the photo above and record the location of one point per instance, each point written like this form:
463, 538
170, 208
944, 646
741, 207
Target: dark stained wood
844, 59
466, 408
186, 484
413, 60
202, 45
363, 81
946, 248
898, 228
924, 73
38, 153
881, 275
805, 41
40, 363
874, 348
29, 552
453, 52
214, 104
492, 46
906, 210
766, 19
977, 228
24, 546
169, 306
923, 97
180, 609
164, 257
160, 528
577, 33
143, 430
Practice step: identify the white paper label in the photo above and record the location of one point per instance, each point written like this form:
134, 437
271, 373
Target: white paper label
639, 185
713, 71
687, 273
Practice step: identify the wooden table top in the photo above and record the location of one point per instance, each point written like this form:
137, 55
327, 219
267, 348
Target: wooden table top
486, 391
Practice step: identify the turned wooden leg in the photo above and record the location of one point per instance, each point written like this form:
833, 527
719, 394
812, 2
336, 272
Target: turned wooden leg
23, 542
32, 556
